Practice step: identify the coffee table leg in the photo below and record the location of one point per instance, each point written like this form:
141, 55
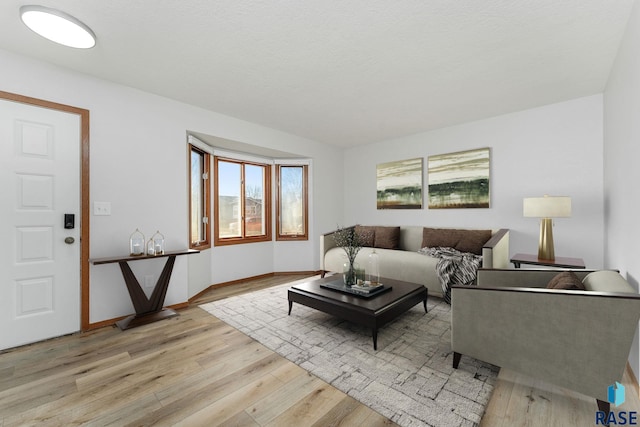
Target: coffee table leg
290, 306
375, 338
425, 305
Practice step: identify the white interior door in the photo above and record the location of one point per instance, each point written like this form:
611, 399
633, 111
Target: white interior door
39, 183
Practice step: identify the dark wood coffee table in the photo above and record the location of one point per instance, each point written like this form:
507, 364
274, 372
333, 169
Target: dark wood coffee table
373, 312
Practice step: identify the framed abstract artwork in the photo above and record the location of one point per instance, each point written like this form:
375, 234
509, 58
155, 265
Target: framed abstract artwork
399, 184
459, 180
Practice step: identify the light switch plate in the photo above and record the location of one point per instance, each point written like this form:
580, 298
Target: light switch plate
102, 208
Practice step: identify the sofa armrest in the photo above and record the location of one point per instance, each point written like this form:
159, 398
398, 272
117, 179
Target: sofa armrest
495, 253
523, 278
575, 339
327, 242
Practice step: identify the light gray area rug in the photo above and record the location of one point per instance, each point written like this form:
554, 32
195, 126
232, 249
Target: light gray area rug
409, 379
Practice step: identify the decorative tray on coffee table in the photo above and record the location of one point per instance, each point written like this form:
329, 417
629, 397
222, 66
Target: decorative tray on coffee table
358, 290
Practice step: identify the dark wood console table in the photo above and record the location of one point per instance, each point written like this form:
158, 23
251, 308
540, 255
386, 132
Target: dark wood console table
147, 309
559, 262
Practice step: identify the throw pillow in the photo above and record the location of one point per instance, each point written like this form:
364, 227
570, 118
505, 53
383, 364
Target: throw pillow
366, 234
473, 240
439, 238
606, 281
387, 237
470, 241
566, 280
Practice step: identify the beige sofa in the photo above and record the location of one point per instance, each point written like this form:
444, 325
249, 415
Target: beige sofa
575, 339
405, 263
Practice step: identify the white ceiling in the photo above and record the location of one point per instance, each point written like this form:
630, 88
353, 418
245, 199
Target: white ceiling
343, 72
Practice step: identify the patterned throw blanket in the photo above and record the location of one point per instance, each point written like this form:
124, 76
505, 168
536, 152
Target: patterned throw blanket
454, 268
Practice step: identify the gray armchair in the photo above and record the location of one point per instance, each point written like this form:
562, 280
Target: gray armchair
579, 340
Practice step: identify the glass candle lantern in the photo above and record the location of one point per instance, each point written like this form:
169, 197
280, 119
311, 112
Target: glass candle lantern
136, 243
373, 268
157, 243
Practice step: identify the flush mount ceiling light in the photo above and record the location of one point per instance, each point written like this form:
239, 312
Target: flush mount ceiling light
58, 26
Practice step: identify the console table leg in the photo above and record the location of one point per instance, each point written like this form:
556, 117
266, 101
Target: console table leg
147, 309
138, 297
143, 319
160, 290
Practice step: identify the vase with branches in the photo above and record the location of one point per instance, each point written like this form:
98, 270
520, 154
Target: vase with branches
351, 242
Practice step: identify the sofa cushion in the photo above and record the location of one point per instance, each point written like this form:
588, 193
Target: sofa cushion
387, 237
411, 267
366, 234
566, 280
463, 240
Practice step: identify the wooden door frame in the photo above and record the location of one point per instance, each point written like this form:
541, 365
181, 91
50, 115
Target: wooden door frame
84, 192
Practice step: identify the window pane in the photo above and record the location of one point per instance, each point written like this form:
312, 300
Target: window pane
254, 204
291, 200
243, 202
229, 207
197, 197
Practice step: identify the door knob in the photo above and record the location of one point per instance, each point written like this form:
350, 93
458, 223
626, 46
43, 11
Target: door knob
69, 240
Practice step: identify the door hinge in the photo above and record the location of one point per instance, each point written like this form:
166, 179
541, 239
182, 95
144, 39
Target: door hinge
205, 175
205, 220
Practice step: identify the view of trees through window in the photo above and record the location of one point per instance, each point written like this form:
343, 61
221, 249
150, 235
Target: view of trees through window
199, 198
229, 183
243, 201
292, 202
254, 206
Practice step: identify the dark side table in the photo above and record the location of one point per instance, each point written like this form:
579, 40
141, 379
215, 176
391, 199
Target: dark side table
147, 309
559, 262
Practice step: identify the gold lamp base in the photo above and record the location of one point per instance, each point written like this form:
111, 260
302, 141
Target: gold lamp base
545, 245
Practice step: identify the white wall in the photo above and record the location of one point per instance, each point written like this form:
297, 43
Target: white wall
621, 156
555, 150
139, 164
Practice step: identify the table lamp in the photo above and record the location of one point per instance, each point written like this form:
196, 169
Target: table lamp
546, 208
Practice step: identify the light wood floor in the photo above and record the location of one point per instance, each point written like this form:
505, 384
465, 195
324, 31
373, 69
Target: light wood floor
195, 370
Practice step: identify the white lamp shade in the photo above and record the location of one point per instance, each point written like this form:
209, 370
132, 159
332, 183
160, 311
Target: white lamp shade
547, 207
